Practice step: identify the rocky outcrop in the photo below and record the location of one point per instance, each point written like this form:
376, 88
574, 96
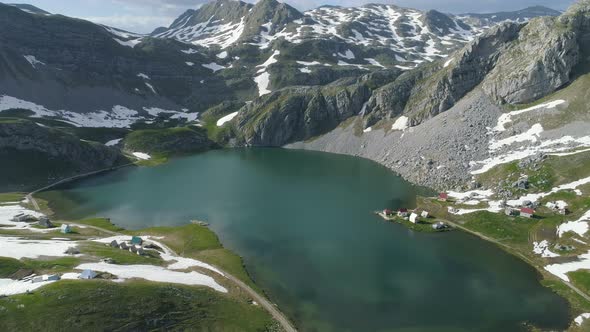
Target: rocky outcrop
436, 153
269, 17
23, 135
423, 93
169, 141
299, 113
537, 63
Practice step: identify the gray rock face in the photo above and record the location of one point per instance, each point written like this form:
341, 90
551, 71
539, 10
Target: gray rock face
430, 90
435, 153
539, 62
299, 113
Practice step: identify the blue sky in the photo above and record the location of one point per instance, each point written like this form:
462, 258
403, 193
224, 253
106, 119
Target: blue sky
145, 15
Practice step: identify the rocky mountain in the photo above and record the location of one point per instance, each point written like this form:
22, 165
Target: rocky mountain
413, 36
434, 125
97, 76
288, 76
94, 75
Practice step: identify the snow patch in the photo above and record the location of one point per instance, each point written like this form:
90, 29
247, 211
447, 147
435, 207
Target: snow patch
129, 43
400, 124
155, 273
542, 248
581, 318
18, 248
579, 226
33, 61
507, 117
142, 156
118, 117
213, 66
561, 270
226, 118
9, 210
263, 80
13, 287
113, 142
374, 62
347, 55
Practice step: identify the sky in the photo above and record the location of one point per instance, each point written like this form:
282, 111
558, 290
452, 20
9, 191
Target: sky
145, 15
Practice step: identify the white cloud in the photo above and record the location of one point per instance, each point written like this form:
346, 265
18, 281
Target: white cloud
133, 23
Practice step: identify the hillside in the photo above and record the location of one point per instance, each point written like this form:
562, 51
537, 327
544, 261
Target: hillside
34, 155
98, 76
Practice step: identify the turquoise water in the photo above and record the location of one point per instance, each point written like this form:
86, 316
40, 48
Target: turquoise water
303, 223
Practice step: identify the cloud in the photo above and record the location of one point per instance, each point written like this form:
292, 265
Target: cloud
133, 23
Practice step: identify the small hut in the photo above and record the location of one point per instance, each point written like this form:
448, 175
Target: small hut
66, 229
45, 222
114, 244
87, 274
51, 277
414, 218
439, 225
136, 240
527, 213
402, 213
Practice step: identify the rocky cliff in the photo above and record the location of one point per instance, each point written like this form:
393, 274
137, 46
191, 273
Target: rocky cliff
23, 135
300, 113
441, 124
33, 154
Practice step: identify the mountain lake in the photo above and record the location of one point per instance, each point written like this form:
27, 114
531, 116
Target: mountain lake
304, 224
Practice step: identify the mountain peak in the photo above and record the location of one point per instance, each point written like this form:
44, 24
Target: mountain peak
270, 15
29, 8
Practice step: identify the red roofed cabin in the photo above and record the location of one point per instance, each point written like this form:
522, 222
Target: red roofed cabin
443, 197
403, 213
527, 212
388, 212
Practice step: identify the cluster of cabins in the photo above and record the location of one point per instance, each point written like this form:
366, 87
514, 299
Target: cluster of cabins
33, 278
134, 246
42, 222
527, 210
414, 216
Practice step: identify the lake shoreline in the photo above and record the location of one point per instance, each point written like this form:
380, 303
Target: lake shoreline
258, 294
480, 236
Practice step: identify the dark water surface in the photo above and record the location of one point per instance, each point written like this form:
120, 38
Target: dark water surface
303, 223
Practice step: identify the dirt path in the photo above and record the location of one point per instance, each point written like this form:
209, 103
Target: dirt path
261, 300
514, 252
